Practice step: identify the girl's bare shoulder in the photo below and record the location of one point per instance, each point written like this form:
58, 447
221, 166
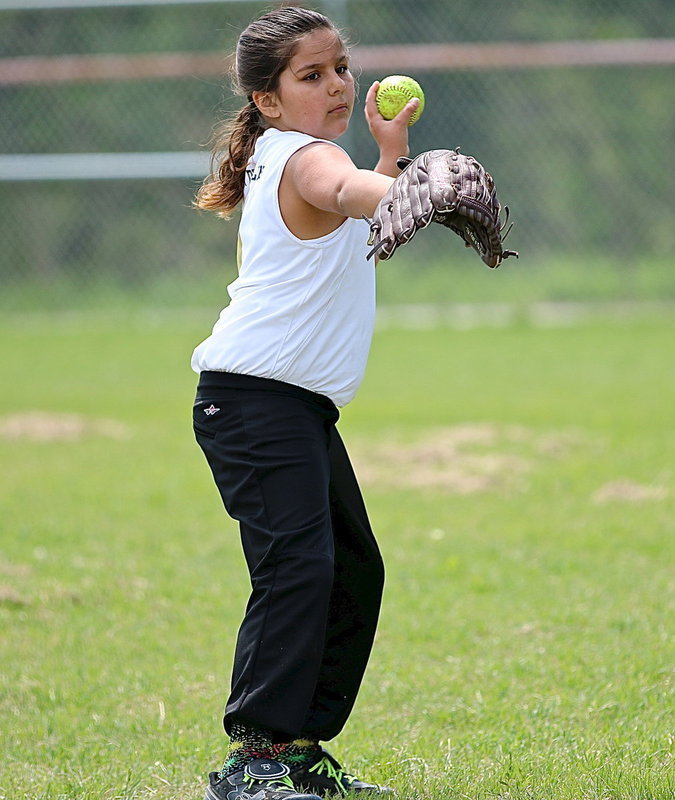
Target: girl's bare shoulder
308, 190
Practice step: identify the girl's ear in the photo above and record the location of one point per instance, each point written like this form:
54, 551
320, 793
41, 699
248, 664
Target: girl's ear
267, 103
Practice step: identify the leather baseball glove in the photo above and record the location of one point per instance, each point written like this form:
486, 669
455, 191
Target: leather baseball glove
442, 186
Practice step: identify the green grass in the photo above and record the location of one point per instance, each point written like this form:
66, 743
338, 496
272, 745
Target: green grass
525, 646
422, 275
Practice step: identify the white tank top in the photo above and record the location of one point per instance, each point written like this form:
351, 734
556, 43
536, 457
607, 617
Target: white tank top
301, 311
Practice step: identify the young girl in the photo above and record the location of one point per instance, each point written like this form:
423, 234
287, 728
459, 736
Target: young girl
289, 349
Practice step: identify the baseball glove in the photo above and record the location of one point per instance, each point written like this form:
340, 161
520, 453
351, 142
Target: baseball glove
442, 186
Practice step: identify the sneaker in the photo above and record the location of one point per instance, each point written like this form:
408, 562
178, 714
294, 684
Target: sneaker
262, 779
326, 777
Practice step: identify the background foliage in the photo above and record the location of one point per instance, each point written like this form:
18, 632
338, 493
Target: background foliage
583, 155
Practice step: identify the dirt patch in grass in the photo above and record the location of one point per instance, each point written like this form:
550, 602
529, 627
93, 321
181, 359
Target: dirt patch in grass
10, 598
460, 459
625, 491
43, 426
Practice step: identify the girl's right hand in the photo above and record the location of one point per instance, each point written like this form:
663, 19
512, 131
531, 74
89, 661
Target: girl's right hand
391, 135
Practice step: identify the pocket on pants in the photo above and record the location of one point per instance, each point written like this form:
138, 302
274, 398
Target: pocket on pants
207, 417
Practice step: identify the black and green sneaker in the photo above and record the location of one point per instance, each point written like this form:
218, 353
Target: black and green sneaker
324, 776
261, 779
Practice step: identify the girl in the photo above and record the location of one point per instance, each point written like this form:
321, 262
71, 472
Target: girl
289, 349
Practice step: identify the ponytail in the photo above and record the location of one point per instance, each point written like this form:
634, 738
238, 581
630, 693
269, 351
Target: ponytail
233, 145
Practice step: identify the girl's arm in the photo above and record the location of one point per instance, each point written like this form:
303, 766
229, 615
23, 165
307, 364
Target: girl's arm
325, 178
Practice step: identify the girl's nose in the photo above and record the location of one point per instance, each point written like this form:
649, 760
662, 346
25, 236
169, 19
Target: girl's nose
336, 84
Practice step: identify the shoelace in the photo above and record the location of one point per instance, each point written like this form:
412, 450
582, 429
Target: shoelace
338, 775
286, 781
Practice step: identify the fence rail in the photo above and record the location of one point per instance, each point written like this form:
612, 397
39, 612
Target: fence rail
102, 166
427, 57
61, 5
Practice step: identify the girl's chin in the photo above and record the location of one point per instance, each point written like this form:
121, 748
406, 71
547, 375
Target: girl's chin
338, 130
336, 127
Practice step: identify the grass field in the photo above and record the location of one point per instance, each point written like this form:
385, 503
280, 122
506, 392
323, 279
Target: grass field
521, 482
419, 276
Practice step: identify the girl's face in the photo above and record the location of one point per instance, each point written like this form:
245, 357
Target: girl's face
316, 90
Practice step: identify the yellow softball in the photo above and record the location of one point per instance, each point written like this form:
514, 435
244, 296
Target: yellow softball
394, 92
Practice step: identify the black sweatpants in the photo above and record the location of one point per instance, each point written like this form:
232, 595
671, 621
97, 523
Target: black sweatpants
316, 571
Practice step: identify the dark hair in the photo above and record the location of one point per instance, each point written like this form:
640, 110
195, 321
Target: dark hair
263, 51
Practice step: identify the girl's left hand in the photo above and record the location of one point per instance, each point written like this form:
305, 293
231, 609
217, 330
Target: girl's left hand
391, 135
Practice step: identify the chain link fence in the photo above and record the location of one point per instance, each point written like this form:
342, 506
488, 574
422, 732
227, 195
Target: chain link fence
105, 112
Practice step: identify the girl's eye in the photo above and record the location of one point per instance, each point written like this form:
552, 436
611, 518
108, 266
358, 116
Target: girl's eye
342, 69
312, 76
